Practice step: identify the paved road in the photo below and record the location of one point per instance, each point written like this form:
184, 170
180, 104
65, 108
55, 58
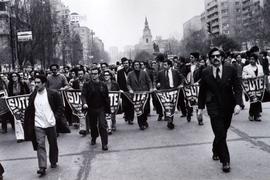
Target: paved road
156, 153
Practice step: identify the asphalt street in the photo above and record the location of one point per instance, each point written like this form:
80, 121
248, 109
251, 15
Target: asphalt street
156, 153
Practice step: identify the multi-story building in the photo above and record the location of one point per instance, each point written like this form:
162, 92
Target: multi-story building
251, 10
86, 40
221, 15
114, 54
192, 25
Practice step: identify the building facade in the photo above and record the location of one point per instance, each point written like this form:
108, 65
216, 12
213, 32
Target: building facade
192, 25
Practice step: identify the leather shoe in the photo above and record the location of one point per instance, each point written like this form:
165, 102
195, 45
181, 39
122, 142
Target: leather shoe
226, 167
142, 127
53, 165
130, 122
257, 119
215, 157
93, 141
170, 125
188, 118
105, 148
200, 123
41, 171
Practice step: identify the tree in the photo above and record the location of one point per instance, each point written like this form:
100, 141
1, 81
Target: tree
76, 49
197, 41
143, 56
226, 43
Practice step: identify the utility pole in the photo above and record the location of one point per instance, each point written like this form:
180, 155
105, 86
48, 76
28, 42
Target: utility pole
92, 33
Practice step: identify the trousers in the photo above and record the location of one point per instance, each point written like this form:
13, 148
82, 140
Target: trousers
98, 125
41, 148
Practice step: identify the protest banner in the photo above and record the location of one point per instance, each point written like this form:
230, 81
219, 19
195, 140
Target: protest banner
17, 106
139, 100
191, 93
73, 97
254, 88
114, 101
168, 100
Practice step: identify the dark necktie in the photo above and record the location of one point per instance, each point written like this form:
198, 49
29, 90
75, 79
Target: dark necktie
217, 74
167, 78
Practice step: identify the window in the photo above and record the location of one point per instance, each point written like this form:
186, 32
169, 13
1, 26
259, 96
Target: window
2, 6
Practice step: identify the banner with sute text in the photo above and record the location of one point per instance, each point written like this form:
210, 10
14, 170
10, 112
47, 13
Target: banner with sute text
17, 106
254, 88
168, 100
191, 93
74, 100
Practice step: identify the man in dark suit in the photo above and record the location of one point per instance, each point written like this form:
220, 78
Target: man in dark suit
122, 81
221, 92
168, 78
42, 116
138, 80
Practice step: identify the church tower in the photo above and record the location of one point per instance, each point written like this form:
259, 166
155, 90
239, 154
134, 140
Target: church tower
147, 36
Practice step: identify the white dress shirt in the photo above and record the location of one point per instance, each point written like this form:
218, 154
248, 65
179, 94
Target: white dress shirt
44, 116
170, 76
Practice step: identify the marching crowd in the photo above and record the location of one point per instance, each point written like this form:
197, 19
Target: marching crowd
219, 75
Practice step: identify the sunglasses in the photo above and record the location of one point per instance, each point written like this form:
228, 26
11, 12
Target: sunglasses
217, 55
94, 73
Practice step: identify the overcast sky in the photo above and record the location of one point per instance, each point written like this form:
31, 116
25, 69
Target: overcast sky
121, 22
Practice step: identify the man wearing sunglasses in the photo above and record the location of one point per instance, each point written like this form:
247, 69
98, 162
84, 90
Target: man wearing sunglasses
221, 92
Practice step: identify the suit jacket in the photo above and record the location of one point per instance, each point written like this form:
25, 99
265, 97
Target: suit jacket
219, 97
122, 80
143, 83
57, 107
164, 84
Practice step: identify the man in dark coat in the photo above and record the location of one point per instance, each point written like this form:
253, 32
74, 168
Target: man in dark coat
42, 115
122, 81
168, 79
221, 92
138, 80
95, 100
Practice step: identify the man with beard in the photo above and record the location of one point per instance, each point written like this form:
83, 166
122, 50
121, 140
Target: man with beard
138, 80
122, 81
220, 91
